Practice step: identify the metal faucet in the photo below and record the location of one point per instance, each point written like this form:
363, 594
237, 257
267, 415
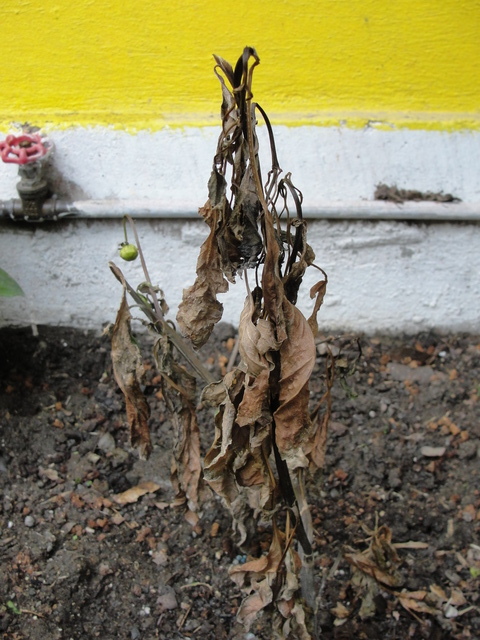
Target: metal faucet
30, 151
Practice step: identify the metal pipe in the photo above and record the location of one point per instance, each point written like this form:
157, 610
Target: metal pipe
423, 211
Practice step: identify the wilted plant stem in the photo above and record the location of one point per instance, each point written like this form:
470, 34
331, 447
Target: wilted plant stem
156, 315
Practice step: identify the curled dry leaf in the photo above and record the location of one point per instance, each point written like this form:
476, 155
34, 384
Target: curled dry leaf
317, 445
273, 579
200, 310
254, 408
218, 460
318, 292
255, 340
413, 601
128, 371
237, 466
380, 561
369, 566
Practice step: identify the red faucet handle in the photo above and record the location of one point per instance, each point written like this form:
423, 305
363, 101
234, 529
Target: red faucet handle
23, 149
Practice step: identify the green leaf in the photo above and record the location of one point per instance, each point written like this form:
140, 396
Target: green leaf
8, 286
13, 607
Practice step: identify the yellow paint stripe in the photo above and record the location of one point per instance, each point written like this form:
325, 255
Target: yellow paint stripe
381, 121
138, 64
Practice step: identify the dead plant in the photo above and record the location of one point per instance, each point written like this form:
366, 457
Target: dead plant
265, 440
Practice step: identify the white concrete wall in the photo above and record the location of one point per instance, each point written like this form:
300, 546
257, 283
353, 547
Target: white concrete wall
383, 276
328, 164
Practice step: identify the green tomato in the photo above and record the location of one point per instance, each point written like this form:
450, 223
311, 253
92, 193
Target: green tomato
128, 252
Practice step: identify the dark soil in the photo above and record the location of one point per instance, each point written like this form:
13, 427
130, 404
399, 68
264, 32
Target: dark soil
403, 453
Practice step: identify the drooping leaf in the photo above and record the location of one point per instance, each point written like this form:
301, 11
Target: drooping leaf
244, 218
272, 286
186, 470
255, 406
262, 567
255, 340
301, 257
297, 355
128, 371
219, 459
251, 606
318, 292
179, 392
317, 445
200, 310
237, 466
273, 579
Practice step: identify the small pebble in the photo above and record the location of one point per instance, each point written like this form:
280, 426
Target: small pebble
29, 521
106, 442
134, 633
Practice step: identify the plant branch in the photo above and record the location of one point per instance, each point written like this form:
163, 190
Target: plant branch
164, 327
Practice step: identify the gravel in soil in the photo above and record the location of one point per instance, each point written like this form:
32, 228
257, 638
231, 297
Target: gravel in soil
92, 545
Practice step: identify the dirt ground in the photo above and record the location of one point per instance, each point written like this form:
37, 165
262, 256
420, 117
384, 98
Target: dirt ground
402, 466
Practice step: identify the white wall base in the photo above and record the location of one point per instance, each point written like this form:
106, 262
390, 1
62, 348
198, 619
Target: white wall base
383, 276
328, 164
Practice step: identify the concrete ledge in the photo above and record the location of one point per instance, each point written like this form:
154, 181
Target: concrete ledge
383, 276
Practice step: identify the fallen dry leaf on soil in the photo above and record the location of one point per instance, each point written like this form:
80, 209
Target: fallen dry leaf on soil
134, 493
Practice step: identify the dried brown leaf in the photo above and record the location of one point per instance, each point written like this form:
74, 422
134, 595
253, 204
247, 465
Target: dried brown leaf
301, 256
200, 310
340, 610
254, 409
134, 493
186, 469
273, 578
368, 566
254, 603
294, 627
297, 356
318, 292
255, 340
412, 602
410, 544
179, 392
272, 285
226, 67
259, 567
438, 593
128, 371
317, 446
219, 459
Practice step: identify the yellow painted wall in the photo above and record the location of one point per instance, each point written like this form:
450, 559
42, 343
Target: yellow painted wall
147, 63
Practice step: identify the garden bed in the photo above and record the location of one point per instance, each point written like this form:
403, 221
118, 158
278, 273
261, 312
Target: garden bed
92, 544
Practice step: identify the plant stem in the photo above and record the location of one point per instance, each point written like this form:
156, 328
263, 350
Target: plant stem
164, 327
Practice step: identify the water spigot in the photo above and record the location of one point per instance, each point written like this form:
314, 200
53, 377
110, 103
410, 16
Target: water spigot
29, 151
